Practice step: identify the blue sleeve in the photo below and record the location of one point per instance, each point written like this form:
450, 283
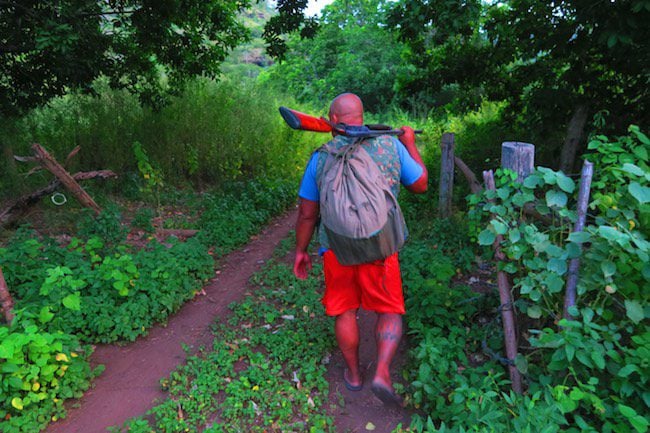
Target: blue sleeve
411, 170
309, 187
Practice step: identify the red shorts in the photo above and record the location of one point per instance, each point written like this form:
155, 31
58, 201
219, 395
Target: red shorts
376, 286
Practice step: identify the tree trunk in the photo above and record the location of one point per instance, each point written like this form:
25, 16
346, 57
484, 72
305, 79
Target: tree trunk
6, 301
574, 133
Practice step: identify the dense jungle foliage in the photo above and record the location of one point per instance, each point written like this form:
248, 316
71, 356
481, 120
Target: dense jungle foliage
180, 99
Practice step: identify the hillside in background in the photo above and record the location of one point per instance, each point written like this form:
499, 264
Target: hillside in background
247, 60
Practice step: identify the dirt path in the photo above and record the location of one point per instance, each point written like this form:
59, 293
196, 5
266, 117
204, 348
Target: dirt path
130, 384
355, 410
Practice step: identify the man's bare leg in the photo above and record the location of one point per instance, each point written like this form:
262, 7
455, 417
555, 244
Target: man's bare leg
388, 333
347, 336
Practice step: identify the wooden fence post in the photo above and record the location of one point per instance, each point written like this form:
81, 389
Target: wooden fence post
507, 306
6, 301
446, 175
518, 157
574, 264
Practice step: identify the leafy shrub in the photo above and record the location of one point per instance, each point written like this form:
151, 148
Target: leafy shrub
119, 295
230, 218
38, 371
591, 366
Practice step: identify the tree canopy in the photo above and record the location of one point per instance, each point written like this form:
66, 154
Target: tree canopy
48, 47
351, 52
558, 62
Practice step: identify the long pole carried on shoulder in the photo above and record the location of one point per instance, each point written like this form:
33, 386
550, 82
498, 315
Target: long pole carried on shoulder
305, 122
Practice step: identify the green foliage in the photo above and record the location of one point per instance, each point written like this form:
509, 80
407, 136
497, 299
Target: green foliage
112, 294
351, 52
107, 225
231, 217
39, 370
591, 367
544, 59
264, 370
208, 135
52, 47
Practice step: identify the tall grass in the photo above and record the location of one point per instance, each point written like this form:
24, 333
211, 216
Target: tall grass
213, 132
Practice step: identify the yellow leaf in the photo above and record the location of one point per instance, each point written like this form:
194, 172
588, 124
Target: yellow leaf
17, 402
370, 426
36, 386
62, 357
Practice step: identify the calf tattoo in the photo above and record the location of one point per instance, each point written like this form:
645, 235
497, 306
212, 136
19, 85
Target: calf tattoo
389, 329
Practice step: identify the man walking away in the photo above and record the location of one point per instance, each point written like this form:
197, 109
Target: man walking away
375, 285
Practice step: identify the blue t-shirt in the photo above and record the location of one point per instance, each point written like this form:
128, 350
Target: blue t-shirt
408, 171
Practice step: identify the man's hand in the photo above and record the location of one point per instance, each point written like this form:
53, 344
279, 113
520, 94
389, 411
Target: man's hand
301, 265
408, 138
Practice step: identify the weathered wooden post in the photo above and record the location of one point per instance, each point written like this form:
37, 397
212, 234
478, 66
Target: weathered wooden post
446, 175
507, 306
574, 264
6, 301
518, 157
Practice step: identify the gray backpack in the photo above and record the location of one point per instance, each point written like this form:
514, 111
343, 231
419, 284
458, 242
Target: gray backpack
359, 212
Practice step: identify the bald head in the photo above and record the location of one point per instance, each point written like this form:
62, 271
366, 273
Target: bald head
347, 108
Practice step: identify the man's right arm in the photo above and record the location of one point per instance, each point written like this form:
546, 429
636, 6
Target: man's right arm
408, 139
308, 211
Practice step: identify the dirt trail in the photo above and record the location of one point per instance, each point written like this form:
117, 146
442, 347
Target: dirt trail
130, 384
361, 411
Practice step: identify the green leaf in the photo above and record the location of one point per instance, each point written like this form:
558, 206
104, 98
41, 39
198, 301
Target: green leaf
558, 266
634, 310
576, 394
534, 312
521, 363
627, 370
499, 227
514, 235
6, 350
556, 198
627, 411
608, 267
579, 237
532, 181
633, 169
598, 359
45, 315
641, 193
565, 183
72, 301
486, 237
609, 233
639, 423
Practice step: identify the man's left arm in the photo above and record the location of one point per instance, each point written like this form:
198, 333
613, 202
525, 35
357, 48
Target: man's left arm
419, 186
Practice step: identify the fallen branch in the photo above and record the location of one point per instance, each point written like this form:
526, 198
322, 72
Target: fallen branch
14, 210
